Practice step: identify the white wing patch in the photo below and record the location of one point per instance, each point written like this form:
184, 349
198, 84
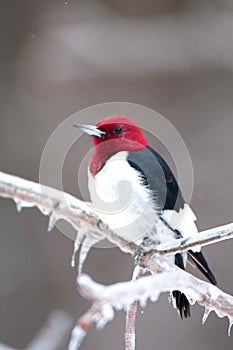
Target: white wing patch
183, 221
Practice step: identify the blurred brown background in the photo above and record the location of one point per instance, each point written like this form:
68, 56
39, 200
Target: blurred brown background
58, 57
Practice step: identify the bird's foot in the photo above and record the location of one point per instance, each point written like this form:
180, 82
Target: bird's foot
141, 248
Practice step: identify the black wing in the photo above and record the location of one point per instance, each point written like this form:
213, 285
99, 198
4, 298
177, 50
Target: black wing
158, 177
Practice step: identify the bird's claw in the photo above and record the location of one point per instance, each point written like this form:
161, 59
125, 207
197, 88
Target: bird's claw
147, 242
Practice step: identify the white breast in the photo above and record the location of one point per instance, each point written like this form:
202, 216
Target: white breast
121, 200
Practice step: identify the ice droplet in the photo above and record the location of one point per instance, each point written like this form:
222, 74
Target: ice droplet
230, 319
142, 312
206, 314
52, 222
78, 240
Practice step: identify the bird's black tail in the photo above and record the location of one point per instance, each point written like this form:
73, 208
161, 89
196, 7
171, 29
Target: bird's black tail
202, 265
181, 302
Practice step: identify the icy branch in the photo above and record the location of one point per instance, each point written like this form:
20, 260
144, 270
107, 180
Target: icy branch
58, 204
106, 299
203, 238
120, 295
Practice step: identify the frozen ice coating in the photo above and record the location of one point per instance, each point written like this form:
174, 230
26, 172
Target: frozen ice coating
143, 300
20, 204
78, 240
206, 314
85, 248
52, 221
230, 320
76, 247
43, 210
107, 315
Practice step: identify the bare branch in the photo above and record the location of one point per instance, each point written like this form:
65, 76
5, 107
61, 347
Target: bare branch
130, 319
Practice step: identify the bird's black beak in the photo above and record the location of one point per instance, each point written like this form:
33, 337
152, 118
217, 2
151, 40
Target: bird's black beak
91, 130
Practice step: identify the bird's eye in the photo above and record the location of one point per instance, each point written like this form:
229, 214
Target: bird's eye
118, 130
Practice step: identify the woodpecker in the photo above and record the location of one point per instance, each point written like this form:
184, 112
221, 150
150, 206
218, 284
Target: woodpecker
136, 194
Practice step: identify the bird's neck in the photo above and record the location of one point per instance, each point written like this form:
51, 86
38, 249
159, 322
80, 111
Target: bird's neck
106, 150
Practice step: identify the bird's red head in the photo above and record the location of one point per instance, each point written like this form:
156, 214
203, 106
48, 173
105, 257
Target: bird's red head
111, 135
122, 129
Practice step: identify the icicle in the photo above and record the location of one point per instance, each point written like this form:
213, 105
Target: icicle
120, 305
21, 204
206, 314
154, 297
79, 238
52, 221
76, 246
143, 300
43, 210
230, 319
85, 248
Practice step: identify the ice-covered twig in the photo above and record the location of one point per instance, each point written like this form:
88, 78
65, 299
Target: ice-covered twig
58, 205
203, 238
120, 295
131, 312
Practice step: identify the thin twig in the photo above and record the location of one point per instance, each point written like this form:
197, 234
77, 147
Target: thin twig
151, 286
130, 318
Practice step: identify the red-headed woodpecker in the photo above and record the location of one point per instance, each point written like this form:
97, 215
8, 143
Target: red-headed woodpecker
137, 195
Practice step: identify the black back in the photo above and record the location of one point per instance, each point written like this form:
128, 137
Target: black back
159, 178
